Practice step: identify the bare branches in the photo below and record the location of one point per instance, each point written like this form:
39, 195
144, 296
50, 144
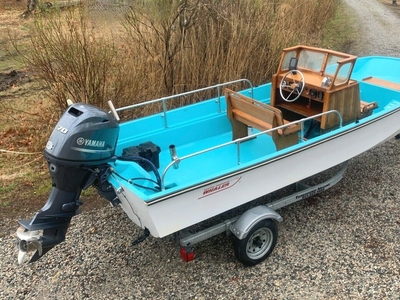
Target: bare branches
167, 47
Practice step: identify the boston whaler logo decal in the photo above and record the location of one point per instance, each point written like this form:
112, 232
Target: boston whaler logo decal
91, 143
208, 191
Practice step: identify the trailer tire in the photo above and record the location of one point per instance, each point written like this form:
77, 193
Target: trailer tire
258, 244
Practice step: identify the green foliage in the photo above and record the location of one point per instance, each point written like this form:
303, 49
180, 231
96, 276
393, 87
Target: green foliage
5, 189
338, 32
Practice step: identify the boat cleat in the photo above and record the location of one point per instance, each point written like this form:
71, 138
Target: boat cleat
28, 241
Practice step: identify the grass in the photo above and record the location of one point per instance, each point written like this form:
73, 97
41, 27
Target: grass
340, 32
20, 189
5, 189
12, 27
9, 63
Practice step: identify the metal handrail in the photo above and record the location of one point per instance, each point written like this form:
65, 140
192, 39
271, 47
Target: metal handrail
175, 162
164, 99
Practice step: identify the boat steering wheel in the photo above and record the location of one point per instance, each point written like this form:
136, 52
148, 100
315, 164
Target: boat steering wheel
289, 82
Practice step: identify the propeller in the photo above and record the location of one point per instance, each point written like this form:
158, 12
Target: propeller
28, 241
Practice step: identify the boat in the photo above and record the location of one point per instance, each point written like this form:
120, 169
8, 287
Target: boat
192, 160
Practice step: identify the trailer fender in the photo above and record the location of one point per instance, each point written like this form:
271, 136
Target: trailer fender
251, 217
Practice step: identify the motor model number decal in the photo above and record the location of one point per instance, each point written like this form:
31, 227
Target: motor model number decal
62, 129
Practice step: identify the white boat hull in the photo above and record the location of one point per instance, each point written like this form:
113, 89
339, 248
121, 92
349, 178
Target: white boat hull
177, 211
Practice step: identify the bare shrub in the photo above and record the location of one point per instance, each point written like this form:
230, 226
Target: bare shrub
69, 58
192, 44
168, 47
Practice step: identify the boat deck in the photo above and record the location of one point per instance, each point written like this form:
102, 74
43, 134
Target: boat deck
202, 136
218, 161
197, 164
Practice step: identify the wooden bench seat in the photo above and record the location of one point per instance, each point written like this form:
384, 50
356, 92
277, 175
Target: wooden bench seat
243, 111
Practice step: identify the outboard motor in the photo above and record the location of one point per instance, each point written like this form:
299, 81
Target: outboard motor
77, 153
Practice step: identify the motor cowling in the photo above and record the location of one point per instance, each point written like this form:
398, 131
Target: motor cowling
84, 137
78, 150
84, 134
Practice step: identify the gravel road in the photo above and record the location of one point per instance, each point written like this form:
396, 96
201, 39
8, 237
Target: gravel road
377, 26
341, 244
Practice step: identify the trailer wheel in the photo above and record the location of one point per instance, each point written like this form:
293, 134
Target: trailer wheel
258, 244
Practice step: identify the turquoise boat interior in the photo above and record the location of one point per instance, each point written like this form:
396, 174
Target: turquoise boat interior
233, 131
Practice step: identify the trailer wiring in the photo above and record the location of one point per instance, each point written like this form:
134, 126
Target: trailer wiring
133, 211
103, 178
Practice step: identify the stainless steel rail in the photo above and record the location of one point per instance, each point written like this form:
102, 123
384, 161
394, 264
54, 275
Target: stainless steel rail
164, 99
176, 160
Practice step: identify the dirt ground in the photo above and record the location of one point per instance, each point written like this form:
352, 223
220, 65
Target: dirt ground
25, 121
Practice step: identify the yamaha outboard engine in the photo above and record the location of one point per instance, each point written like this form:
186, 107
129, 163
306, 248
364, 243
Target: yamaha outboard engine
78, 152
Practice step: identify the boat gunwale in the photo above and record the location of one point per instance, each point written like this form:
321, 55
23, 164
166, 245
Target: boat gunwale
239, 141
286, 153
